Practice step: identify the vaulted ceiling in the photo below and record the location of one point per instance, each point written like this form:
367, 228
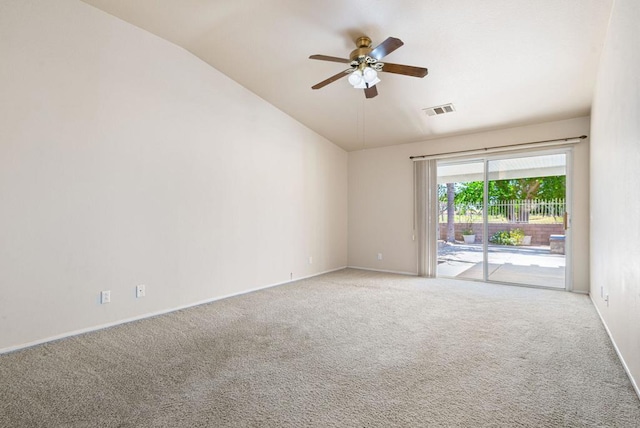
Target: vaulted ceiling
501, 63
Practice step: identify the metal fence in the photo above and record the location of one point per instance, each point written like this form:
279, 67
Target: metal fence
513, 211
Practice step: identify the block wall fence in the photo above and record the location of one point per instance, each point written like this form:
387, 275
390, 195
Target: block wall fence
539, 232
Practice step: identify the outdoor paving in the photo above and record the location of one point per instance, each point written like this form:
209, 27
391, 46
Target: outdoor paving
531, 265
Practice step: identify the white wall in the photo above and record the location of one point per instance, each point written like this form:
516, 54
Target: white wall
615, 185
125, 160
381, 195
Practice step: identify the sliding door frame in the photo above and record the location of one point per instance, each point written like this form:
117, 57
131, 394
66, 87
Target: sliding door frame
568, 152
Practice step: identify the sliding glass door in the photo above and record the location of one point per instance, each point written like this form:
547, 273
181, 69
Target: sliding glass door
503, 219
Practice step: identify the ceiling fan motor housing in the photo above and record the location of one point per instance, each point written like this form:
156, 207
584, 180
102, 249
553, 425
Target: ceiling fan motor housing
363, 50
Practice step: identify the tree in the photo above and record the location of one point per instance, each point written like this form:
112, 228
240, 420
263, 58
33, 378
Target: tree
545, 188
471, 193
451, 231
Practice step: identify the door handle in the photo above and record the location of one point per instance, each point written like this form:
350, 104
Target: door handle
565, 220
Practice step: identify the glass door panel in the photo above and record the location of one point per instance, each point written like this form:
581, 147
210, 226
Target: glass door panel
460, 220
525, 221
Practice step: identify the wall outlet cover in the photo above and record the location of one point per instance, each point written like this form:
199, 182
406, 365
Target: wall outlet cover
105, 297
140, 291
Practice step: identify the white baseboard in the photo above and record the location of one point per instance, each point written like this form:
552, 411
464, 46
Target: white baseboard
152, 314
384, 270
615, 346
308, 276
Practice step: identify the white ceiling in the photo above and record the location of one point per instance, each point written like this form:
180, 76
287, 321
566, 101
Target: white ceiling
501, 63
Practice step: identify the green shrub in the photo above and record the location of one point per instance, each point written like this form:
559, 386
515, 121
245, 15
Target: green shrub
517, 235
506, 237
500, 238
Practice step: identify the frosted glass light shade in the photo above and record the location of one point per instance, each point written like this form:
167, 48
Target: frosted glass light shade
355, 78
370, 76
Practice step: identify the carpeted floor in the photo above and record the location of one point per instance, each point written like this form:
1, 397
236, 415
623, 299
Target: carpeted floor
346, 349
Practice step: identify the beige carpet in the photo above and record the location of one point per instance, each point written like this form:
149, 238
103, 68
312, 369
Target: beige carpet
346, 349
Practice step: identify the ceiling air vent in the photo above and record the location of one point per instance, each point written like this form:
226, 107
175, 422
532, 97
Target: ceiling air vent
438, 110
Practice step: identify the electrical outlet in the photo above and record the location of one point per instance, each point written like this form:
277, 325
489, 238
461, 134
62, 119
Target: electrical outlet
310, 260
379, 256
140, 291
105, 297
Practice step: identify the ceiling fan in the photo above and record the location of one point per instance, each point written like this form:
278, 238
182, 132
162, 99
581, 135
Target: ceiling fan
364, 65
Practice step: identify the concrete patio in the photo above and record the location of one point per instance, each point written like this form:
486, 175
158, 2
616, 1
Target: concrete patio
530, 265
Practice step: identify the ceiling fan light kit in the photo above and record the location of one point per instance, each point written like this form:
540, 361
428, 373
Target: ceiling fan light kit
364, 79
365, 64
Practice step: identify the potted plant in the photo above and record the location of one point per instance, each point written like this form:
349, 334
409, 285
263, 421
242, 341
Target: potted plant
468, 235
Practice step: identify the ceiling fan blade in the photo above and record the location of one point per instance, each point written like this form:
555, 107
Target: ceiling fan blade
332, 79
385, 48
371, 92
407, 70
330, 58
